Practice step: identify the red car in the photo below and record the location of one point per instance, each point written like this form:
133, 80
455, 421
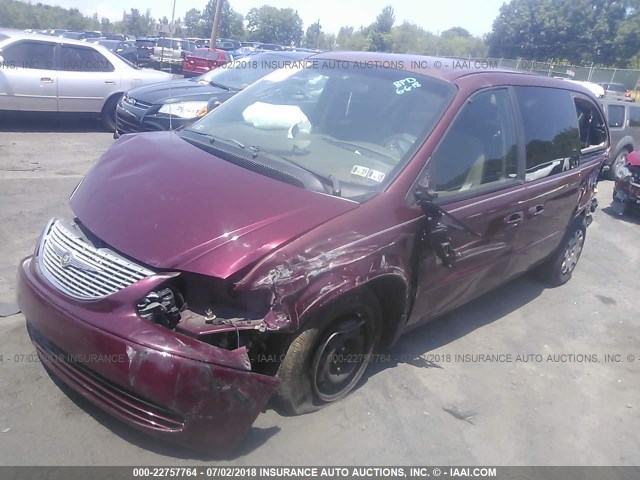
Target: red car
273, 247
626, 191
203, 60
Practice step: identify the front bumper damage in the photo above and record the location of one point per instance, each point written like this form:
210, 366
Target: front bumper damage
156, 380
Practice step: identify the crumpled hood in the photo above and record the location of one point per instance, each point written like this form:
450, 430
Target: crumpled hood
171, 205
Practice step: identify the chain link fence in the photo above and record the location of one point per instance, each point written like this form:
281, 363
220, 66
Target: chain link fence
629, 78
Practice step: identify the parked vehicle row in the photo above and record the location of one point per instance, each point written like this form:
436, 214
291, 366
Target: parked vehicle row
270, 248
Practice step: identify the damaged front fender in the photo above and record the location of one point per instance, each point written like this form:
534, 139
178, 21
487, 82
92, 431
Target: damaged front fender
302, 283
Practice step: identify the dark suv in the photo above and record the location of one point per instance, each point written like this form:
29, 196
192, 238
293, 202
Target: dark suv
624, 126
145, 49
272, 247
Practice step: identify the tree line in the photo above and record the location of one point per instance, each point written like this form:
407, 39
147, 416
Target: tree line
602, 32
580, 32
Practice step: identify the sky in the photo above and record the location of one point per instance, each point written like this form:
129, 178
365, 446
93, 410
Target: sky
433, 15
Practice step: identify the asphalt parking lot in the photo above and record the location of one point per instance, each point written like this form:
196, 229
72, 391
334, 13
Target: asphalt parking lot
561, 402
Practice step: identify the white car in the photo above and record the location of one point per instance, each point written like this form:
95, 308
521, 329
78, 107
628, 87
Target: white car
51, 74
596, 89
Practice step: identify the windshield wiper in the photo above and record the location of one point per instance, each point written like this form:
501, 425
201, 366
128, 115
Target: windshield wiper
330, 180
219, 85
214, 139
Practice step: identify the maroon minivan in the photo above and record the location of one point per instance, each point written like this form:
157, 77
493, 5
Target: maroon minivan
268, 250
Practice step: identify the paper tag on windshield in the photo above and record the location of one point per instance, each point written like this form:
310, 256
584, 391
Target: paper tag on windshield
360, 171
376, 176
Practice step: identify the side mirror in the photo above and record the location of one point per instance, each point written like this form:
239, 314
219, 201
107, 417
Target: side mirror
438, 233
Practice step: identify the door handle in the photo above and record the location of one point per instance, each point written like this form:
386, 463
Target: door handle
110, 82
514, 218
46, 80
537, 210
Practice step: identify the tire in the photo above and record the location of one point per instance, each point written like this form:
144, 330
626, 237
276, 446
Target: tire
559, 267
341, 336
108, 115
616, 163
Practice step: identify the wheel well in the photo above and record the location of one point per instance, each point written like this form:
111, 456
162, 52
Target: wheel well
627, 147
109, 99
391, 292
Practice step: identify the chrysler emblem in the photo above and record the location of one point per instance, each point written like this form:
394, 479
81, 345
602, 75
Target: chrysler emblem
65, 259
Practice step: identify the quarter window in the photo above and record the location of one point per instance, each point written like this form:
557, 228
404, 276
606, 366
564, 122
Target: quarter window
551, 132
616, 116
480, 149
634, 116
81, 59
33, 55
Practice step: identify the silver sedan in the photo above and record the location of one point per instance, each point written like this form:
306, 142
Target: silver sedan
46, 74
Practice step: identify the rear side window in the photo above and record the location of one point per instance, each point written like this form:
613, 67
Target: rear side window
81, 59
29, 54
480, 149
634, 116
550, 130
615, 116
593, 132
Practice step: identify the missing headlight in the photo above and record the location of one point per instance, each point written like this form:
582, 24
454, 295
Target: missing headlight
162, 307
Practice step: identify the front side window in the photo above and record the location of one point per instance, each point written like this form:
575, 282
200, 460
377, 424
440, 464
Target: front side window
634, 116
347, 126
551, 132
29, 54
82, 59
479, 151
616, 116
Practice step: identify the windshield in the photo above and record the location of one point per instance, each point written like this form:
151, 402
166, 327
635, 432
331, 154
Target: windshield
352, 126
241, 73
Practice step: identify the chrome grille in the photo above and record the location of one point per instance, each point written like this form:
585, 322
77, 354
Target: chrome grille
80, 269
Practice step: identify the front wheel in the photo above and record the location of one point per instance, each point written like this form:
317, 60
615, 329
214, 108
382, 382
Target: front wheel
619, 162
557, 270
325, 361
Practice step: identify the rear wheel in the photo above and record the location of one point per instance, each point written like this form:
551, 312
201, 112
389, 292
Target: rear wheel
108, 115
325, 361
558, 268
